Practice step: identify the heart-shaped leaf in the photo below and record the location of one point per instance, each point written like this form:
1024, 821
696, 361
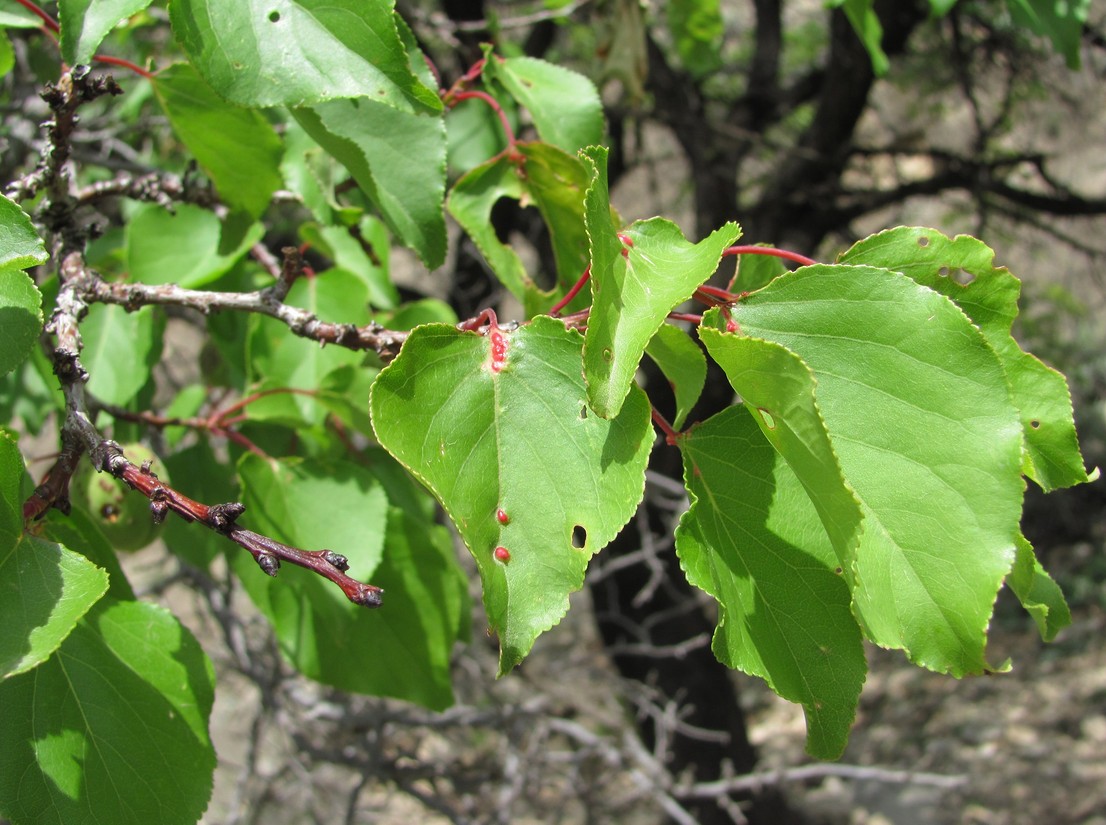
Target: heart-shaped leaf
498, 427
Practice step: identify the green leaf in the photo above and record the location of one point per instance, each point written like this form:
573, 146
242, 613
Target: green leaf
939, 8
400, 650
46, 590
120, 350
20, 300
753, 541
417, 313
865, 22
697, 30
20, 245
343, 393
79, 533
918, 411
474, 135
20, 317
30, 394
7, 53
365, 256
12, 476
237, 147
683, 364
780, 392
113, 727
14, 16
182, 247
555, 183
281, 360
398, 160
634, 285
299, 52
512, 432
1038, 593
1063, 22
565, 106
471, 201
962, 268
85, 24
313, 174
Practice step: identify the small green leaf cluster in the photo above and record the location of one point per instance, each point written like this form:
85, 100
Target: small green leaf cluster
867, 485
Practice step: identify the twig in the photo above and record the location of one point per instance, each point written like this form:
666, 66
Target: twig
73, 89
759, 781
372, 337
164, 189
80, 435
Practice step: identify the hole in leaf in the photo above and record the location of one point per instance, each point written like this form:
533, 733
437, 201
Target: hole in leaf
769, 421
962, 277
943, 272
1035, 424
579, 537
274, 17
838, 571
923, 241
584, 412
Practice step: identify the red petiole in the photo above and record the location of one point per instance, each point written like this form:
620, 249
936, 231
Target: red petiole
51, 26
670, 435
457, 97
48, 21
572, 293
768, 250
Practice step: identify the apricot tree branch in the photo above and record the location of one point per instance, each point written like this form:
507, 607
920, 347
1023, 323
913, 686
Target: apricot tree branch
384, 342
79, 435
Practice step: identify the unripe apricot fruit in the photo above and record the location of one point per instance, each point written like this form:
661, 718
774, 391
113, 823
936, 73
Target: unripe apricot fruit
122, 514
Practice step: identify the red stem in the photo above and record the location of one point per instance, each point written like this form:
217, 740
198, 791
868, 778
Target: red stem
47, 20
572, 293
126, 64
51, 25
486, 317
459, 85
720, 294
491, 101
219, 417
670, 435
242, 441
686, 316
576, 320
768, 250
